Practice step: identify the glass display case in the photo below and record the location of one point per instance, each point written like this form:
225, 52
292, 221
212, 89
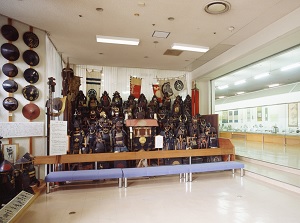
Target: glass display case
274, 119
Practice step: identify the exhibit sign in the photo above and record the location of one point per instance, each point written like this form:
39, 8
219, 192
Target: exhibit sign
13, 208
159, 142
21, 129
58, 137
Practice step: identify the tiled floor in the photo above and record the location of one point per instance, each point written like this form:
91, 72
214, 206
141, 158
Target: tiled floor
211, 197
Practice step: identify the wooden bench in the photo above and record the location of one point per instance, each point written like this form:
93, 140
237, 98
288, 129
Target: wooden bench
84, 175
185, 169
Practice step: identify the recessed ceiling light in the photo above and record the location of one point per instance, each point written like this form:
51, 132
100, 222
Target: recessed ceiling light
171, 18
223, 87
117, 40
99, 9
241, 92
220, 97
217, 7
187, 47
273, 85
290, 66
261, 75
240, 82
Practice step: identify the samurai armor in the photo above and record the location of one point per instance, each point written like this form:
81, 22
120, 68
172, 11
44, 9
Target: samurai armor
173, 161
211, 159
120, 164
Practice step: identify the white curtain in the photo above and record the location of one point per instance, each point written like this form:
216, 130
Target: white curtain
54, 67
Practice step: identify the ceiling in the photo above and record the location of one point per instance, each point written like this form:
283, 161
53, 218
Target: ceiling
72, 26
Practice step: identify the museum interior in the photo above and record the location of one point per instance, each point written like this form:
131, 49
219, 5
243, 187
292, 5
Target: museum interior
211, 142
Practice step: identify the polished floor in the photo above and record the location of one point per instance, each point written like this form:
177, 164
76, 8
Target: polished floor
274, 161
269, 152
211, 197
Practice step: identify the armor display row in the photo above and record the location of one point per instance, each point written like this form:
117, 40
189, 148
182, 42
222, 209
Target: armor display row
105, 126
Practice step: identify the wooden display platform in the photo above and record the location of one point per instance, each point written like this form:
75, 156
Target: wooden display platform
225, 148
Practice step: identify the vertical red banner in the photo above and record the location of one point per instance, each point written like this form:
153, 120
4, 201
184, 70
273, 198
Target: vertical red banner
135, 86
195, 100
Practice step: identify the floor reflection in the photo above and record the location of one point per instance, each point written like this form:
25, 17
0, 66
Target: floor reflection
269, 152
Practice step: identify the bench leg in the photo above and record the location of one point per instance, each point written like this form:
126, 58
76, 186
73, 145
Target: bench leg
125, 182
184, 176
181, 176
233, 171
191, 177
120, 182
48, 188
242, 172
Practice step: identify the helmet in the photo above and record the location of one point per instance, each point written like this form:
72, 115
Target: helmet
30, 92
10, 70
10, 86
10, 52
119, 124
31, 75
31, 39
9, 32
31, 111
10, 103
31, 58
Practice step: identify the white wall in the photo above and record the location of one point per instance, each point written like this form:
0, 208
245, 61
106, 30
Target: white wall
49, 66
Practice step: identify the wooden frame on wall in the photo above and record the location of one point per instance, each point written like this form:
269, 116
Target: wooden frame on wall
11, 152
293, 115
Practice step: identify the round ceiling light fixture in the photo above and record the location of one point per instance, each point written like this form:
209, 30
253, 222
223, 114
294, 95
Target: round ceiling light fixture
217, 7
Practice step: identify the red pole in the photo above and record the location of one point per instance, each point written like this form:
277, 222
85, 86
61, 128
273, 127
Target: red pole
195, 100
